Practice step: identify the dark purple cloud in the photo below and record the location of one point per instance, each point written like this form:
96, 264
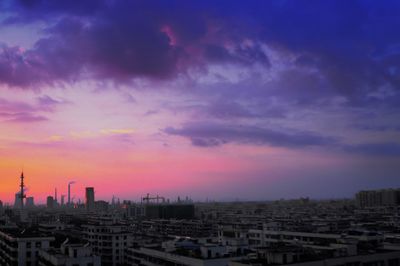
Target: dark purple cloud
7, 106
22, 112
120, 41
25, 118
226, 109
49, 104
45, 64
211, 134
353, 47
289, 57
151, 112
377, 149
243, 56
378, 128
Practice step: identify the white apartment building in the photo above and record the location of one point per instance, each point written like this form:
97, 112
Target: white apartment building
108, 241
21, 247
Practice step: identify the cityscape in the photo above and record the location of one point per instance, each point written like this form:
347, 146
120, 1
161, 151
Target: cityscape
363, 230
199, 133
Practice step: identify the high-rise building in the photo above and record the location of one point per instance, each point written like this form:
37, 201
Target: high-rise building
69, 193
62, 200
50, 202
90, 199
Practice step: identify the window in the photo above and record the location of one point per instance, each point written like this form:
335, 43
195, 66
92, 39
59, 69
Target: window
28, 244
38, 244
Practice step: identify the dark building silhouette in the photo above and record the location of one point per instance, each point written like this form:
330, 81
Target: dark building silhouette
30, 203
50, 202
375, 198
169, 211
90, 199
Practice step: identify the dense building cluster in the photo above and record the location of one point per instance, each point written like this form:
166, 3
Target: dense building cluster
383, 197
364, 231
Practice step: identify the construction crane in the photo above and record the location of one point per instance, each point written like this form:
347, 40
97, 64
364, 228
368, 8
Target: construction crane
147, 199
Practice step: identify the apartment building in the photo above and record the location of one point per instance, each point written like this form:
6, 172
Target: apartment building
20, 247
71, 253
108, 240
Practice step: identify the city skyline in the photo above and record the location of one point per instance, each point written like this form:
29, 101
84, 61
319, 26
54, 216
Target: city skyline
254, 100
79, 196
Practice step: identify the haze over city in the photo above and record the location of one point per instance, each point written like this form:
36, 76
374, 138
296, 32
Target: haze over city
222, 100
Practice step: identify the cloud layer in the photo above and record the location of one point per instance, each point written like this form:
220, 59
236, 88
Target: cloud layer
222, 86
343, 49
208, 135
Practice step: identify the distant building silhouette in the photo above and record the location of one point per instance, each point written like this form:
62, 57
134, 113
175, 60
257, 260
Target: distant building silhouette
169, 211
90, 199
50, 202
374, 198
30, 202
17, 201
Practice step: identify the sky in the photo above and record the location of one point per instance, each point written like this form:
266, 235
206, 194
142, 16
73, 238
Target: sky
217, 100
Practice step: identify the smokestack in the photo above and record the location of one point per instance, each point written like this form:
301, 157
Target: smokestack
55, 195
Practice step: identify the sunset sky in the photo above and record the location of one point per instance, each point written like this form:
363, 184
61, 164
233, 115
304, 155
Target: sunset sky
208, 99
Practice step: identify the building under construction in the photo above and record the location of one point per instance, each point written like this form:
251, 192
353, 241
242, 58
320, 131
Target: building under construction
158, 208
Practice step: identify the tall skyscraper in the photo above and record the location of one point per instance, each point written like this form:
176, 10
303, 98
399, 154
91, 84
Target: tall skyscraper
90, 199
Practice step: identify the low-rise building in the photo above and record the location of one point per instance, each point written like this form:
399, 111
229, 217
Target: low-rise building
108, 240
71, 253
20, 247
182, 252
